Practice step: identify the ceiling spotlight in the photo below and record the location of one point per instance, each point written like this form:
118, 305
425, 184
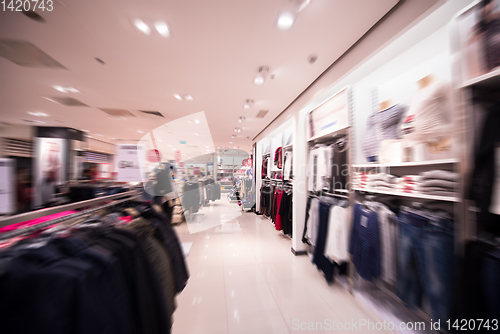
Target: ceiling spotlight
230, 142
197, 121
248, 104
38, 113
177, 96
237, 129
142, 26
140, 131
241, 119
72, 90
162, 29
59, 88
188, 97
261, 75
285, 21
233, 136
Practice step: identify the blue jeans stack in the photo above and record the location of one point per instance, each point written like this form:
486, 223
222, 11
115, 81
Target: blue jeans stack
425, 260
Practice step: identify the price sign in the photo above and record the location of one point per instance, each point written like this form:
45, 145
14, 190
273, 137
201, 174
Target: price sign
154, 156
7, 186
127, 162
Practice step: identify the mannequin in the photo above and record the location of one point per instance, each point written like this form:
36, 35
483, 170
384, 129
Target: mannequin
385, 105
425, 81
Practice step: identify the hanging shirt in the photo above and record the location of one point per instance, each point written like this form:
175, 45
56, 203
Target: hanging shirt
319, 168
287, 166
432, 110
382, 125
338, 234
313, 221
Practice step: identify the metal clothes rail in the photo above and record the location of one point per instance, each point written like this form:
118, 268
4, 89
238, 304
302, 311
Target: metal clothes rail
45, 212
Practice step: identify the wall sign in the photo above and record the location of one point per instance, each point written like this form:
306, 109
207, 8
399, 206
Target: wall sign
7, 186
49, 168
127, 162
330, 116
154, 156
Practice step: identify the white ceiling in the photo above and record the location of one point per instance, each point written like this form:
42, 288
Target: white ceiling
213, 54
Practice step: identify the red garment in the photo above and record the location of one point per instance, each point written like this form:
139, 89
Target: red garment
279, 221
35, 221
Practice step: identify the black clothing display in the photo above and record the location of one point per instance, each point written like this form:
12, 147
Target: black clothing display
484, 175
98, 276
286, 208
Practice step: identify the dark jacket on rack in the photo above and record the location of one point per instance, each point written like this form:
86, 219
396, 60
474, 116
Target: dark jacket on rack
170, 241
98, 280
160, 260
484, 175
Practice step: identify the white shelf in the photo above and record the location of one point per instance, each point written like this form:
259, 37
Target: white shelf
420, 196
491, 79
409, 164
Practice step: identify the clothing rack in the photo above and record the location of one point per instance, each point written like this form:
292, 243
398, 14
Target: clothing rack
33, 215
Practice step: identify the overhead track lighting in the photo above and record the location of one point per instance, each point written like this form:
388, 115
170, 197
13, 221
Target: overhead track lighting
285, 21
142, 26
162, 29
248, 104
259, 79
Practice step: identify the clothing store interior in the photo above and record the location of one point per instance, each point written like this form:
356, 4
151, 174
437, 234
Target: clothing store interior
264, 166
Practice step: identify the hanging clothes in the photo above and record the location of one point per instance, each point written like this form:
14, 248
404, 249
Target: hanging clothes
287, 166
103, 275
286, 208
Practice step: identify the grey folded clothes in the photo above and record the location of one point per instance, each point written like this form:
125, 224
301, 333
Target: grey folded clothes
440, 183
381, 184
388, 178
433, 192
439, 175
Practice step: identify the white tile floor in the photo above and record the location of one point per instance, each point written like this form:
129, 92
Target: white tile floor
244, 279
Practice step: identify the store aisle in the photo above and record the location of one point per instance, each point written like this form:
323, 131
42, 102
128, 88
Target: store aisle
244, 279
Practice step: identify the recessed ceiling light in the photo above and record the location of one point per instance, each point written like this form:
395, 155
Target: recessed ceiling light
142, 26
162, 29
38, 113
248, 104
237, 129
140, 131
259, 80
197, 121
112, 138
261, 75
196, 134
59, 88
72, 90
177, 96
285, 21
230, 142
188, 97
